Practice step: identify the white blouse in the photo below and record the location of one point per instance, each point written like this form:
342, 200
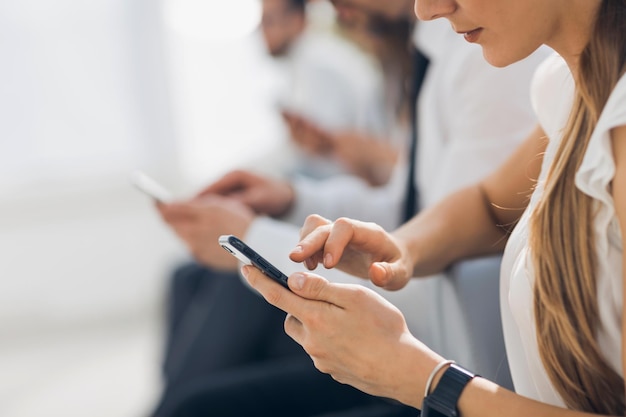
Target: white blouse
552, 94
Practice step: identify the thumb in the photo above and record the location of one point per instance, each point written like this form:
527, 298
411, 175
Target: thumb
390, 276
315, 287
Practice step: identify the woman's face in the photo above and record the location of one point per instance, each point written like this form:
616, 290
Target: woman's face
507, 30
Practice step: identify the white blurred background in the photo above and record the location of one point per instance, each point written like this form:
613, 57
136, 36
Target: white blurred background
89, 91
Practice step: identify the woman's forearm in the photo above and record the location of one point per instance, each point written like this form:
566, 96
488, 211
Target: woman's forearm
483, 398
460, 226
479, 398
476, 220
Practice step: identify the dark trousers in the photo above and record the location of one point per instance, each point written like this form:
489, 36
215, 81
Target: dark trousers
215, 323
277, 388
227, 355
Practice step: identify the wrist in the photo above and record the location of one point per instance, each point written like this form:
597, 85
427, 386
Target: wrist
421, 360
443, 400
435, 376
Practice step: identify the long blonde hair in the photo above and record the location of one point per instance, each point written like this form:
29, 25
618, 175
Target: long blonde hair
562, 239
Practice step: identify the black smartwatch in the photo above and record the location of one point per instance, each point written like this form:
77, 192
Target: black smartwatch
442, 401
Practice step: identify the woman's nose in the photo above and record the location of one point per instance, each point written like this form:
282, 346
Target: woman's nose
434, 9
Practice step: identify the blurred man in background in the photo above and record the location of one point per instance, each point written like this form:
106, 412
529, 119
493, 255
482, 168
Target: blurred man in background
325, 78
329, 82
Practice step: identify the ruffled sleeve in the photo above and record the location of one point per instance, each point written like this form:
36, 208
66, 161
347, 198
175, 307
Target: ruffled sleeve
594, 179
598, 167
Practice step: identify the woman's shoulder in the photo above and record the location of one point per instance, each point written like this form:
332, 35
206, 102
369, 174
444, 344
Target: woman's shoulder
552, 93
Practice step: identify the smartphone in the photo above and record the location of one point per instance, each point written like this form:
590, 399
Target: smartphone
247, 255
148, 185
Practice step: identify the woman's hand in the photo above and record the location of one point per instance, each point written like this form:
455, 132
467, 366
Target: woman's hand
358, 248
351, 333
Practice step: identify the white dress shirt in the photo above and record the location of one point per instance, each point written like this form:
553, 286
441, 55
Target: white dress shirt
331, 82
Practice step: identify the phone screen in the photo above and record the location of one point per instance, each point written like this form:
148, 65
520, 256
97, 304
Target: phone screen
247, 255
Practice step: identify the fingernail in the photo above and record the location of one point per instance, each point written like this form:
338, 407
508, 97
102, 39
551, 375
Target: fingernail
297, 249
328, 260
297, 280
244, 271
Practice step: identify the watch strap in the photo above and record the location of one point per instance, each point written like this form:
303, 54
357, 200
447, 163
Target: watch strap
443, 400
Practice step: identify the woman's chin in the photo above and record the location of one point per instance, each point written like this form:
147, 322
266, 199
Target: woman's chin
501, 58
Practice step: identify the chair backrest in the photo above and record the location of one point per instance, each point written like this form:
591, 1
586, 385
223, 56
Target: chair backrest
471, 318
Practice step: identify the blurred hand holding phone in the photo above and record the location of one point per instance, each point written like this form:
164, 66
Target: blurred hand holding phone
307, 134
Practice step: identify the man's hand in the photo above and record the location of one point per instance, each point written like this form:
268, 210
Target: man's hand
370, 158
199, 223
308, 136
265, 196
365, 156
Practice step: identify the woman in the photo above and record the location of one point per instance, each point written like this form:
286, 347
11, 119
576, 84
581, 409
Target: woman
562, 275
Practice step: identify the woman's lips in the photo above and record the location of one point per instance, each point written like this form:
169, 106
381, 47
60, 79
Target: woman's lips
473, 35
